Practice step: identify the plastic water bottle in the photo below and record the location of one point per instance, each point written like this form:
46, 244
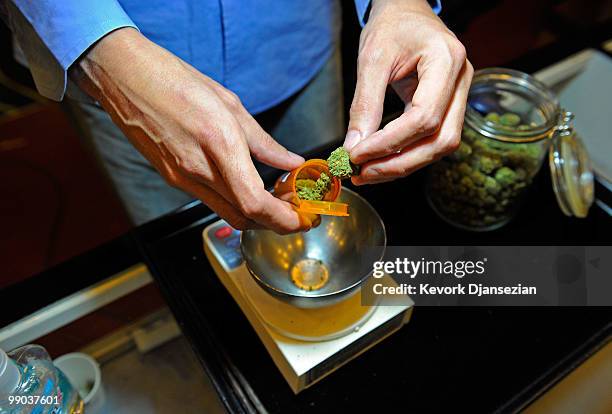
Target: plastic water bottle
30, 383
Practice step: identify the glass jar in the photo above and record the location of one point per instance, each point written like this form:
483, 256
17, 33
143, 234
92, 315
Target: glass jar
512, 122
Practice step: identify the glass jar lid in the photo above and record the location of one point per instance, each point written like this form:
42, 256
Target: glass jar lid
570, 169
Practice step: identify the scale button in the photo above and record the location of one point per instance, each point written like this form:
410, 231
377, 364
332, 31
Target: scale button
233, 260
233, 243
223, 232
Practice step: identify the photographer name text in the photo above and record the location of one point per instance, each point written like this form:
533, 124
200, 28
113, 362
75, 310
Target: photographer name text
436, 269
476, 289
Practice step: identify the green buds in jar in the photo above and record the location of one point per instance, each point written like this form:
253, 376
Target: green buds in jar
480, 182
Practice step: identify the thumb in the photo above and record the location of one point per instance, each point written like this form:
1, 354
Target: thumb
368, 101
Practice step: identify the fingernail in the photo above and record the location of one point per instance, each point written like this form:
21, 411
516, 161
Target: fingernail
356, 181
352, 138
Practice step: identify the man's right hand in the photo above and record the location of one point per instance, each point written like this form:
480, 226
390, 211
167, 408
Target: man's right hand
195, 132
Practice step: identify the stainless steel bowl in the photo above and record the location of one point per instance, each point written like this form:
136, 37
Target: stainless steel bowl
332, 259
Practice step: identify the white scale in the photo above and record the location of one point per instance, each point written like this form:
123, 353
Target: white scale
305, 344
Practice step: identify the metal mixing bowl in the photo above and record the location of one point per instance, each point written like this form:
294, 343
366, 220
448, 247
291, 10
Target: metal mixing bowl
332, 259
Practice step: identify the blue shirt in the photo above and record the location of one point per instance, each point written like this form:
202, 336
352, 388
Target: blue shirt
263, 50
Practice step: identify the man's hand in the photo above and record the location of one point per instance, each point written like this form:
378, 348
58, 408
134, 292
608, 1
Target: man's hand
196, 133
406, 45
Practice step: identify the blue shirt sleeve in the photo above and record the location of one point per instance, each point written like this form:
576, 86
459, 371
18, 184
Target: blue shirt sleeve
53, 34
363, 6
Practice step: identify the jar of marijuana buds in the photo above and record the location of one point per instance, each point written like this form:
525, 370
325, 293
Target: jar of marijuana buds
511, 123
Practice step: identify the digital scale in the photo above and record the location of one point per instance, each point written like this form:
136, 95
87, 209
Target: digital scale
305, 344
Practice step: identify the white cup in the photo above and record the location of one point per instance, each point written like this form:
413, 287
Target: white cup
82, 371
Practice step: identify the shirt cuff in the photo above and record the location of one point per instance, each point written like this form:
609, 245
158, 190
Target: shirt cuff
363, 9
53, 35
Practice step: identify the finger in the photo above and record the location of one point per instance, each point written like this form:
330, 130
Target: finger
314, 219
316, 222
392, 167
279, 215
437, 77
231, 155
265, 148
261, 145
428, 149
301, 223
310, 220
362, 181
373, 71
184, 177
405, 89
218, 204
193, 163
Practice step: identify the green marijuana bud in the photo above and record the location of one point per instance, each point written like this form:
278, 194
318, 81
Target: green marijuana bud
312, 190
492, 117
323, 183
505, 176
340, 164
510, 119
